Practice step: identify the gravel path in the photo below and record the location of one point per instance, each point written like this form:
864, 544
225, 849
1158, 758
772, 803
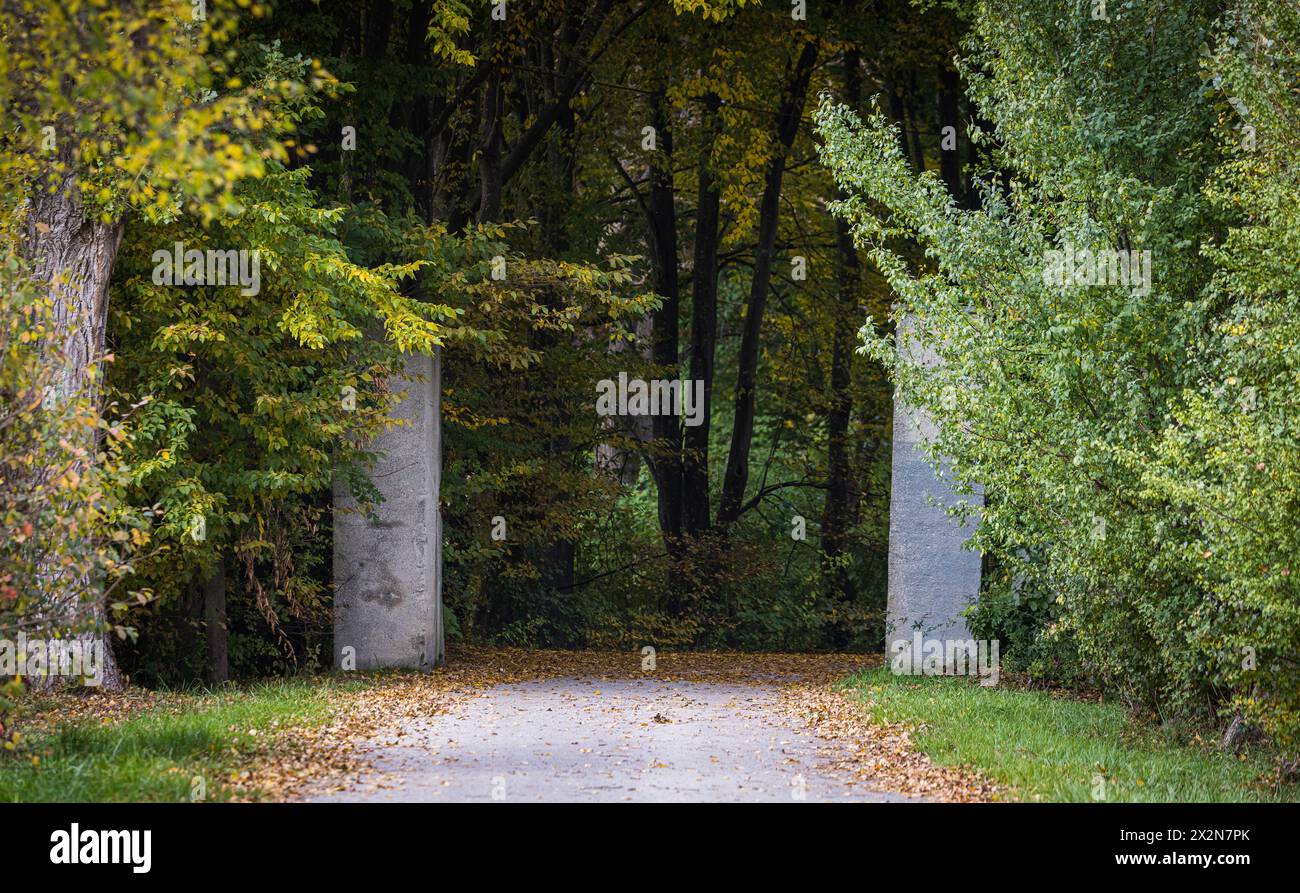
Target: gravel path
589, 740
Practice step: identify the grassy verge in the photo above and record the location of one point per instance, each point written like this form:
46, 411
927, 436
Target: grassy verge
157, 752
1053, 748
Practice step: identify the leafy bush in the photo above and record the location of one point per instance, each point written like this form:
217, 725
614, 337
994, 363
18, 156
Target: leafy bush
1138, 445
1230, 455
64, 526
1025, 618
253, 402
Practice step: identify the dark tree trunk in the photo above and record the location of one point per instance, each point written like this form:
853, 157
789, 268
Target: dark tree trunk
558, 564
560, 558
704, 335
415, 115
379, 26
217, 629
913, 126
665, 448
950, 159
898, 111
489, 160
836, 579
742, 434
462, 193
572, 53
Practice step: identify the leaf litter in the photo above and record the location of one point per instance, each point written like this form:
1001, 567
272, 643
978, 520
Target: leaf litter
858, 749
287, 761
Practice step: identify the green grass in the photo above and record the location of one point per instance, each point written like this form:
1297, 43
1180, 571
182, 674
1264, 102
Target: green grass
155, 754
1053, 748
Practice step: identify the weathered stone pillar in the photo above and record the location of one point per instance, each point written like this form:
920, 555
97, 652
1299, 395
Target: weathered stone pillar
388, 573
932, 578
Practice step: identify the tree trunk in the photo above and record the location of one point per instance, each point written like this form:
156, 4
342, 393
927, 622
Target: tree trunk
665, 449
666, 446
836, 580
623, 464
704, 335
214, 621
912, 129
489, 160
950, 159
74, 253
898, 111
560, 558
742, 433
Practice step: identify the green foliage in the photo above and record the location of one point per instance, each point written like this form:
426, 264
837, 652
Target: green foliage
125, 110
1045, 747
1230, 454
186, 746
1105, 422
136, 103
253, 401
526, 453
571, 89
1025, 618
64, 524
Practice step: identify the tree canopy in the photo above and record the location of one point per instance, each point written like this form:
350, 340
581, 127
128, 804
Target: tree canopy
1086, 212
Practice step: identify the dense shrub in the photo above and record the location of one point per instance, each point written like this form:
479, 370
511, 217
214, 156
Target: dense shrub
1138, 445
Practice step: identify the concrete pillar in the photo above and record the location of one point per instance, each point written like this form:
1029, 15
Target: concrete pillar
932, 578
388, 572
